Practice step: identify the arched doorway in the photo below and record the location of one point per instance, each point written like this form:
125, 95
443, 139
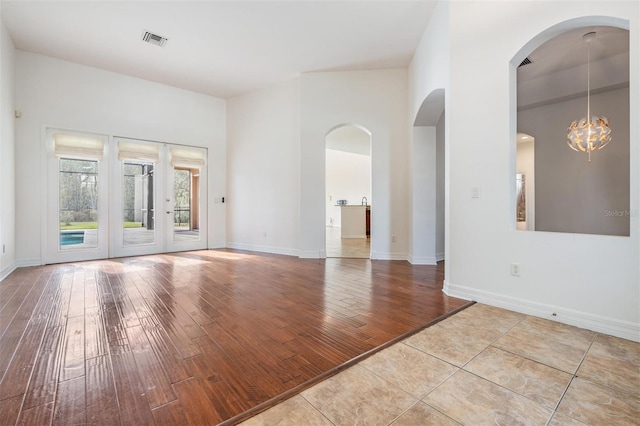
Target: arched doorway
348, 192
428, 182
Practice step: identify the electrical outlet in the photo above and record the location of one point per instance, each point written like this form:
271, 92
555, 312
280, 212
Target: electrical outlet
393, 238
3, 249
515, 269
264, 234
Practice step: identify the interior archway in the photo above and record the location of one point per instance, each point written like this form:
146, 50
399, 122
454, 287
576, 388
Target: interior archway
348, 194
574, 192
427, 245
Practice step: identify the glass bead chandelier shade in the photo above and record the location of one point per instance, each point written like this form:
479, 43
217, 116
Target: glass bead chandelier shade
589, 135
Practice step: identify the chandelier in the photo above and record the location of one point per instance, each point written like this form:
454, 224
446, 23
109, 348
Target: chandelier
590, 133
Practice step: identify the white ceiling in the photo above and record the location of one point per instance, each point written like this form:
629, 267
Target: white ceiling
221, 48
558, 71
568, 50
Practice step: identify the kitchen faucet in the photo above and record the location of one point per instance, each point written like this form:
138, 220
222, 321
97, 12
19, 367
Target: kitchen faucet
364, 201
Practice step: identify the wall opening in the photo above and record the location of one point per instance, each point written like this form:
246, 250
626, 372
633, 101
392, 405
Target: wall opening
569, 193
348, 192
428, 182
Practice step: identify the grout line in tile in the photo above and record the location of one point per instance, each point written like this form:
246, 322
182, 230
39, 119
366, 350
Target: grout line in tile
395, 385
404, 412
493, 341
441, 412
512, 391
530, 359
585, 353
566, 389
573, 376
313, 406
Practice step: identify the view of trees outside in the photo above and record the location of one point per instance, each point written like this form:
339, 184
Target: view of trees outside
78, 194
182, 197
134, 193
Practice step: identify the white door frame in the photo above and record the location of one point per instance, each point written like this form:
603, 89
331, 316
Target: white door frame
53, 252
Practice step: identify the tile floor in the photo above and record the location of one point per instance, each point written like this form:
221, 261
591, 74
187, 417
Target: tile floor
482, 366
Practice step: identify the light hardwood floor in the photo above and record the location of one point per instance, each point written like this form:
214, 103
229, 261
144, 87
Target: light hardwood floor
355, 248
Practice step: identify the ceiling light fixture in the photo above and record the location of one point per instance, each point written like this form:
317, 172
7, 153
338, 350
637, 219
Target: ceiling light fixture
590, 133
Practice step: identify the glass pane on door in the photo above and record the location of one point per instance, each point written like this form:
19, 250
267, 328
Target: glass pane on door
138, 203
186, 191
78, 204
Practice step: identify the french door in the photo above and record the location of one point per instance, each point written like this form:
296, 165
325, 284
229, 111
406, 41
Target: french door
113, 197
77, 197
161, 198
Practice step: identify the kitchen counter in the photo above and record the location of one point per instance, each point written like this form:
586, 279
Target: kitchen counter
354, 221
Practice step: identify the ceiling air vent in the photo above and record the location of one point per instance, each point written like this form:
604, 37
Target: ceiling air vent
154, 39
526, 61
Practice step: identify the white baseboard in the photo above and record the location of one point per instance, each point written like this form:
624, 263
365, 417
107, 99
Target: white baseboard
4, 273
614, 327
312, 254
263, 249
388, 256
361, 236
29, 262
217, 245
425, 260
439, 256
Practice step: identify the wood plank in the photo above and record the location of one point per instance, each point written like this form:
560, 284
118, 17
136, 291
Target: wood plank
95, 335
44, 380
16, 378
196, 405
39, 415
10, 306
73, 349
24, 333
62, 297
170, 414
76, 299
70, 403
133, 405
154, 378
10, 410
101, 400
225, 401
165, 350
9, 343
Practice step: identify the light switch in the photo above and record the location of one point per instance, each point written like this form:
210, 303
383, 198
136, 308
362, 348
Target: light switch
475, 192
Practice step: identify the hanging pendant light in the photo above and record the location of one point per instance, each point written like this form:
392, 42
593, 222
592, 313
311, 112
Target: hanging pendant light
590, 133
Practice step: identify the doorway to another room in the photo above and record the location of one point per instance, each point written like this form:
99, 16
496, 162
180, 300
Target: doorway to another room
348, 192
428, 179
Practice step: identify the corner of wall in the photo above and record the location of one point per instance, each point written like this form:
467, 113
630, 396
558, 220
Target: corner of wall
7, 154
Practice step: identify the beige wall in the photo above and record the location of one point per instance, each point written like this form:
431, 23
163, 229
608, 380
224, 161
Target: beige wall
572, 194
